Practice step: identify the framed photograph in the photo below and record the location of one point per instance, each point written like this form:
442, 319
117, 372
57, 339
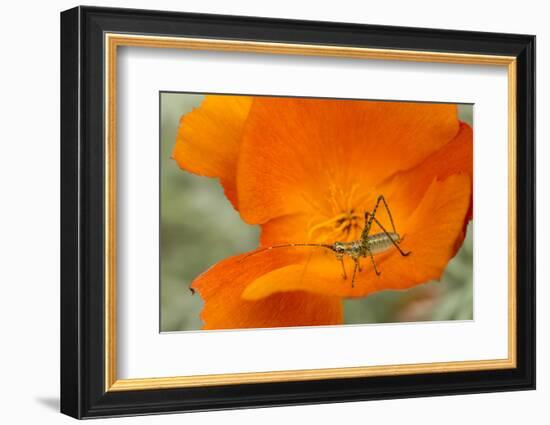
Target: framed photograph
261, 212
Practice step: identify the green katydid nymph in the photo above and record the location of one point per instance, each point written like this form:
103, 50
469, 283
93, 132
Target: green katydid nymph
367, 245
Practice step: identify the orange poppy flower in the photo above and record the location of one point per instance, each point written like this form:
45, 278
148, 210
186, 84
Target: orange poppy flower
306, 171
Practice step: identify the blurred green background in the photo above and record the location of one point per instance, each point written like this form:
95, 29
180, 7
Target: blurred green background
199, 227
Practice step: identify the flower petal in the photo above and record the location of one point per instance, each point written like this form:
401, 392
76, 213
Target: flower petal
406, 189
430, 234
286, 229
221, 286
296, 151
209, 137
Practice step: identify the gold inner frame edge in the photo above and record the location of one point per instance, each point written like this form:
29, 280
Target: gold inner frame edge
113, 40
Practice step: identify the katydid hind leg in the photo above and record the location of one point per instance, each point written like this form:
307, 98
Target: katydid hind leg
370, 217
403, 253
383, 200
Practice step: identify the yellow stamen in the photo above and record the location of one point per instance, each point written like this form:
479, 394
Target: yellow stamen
346, 220
326, 223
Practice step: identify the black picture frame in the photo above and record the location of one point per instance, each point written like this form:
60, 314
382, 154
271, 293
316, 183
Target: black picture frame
83, 392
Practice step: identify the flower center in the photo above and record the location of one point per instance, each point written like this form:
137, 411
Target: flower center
338, 214
342, 227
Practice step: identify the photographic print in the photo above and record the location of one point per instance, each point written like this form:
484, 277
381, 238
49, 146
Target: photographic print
302, 232
291, 211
